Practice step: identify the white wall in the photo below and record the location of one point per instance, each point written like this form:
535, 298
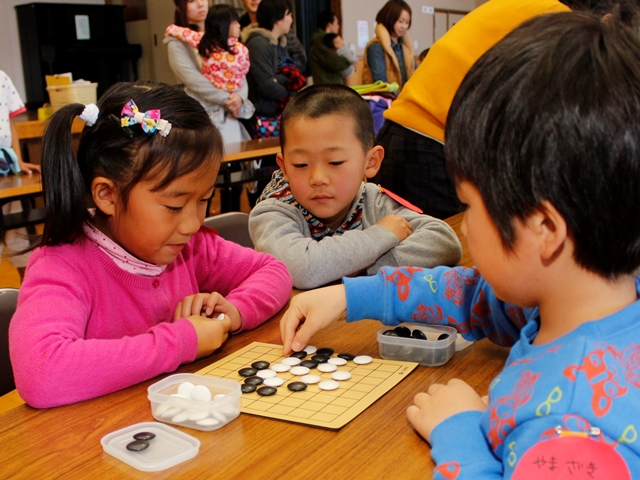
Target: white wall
10, 55
422, 25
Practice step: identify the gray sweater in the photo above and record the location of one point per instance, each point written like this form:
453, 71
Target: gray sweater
281, 230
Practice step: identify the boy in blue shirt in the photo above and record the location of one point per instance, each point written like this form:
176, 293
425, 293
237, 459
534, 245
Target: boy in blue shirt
549, 169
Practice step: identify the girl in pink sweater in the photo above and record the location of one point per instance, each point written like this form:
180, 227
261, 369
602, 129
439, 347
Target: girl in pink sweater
127, 284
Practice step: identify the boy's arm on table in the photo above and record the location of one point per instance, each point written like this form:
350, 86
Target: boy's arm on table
431, 243
278, 229
458, 297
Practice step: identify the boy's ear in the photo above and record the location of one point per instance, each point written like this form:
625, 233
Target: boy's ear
105, 195
551, 229
280, 162
374, 160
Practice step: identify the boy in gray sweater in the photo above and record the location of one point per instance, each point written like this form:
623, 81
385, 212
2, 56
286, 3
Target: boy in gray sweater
320, 217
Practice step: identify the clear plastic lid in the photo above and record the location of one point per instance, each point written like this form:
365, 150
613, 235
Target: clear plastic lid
169, 447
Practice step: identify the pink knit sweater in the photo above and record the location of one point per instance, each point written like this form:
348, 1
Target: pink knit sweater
85, 328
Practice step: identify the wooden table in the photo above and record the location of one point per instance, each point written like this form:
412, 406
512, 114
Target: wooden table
15, 187
64, 442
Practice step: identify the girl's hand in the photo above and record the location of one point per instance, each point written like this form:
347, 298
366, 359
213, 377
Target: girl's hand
209, 305
28, 167
211, 333
234, 103
441, 402
310, 312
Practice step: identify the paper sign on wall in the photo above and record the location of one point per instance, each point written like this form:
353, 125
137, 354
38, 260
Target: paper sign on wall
83, 32
363, 33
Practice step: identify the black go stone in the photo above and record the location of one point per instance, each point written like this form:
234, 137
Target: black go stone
297, 386
247, 372
267, 391
347, 356
390, 333
299, 355
260, 365
144, 436
247, 388
254, 380
309, 364
403, 331
443, 336
325, 351
419, 334
137, 445
320, 358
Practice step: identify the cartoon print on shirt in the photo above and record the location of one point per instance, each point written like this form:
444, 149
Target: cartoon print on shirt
609, 372
503, 410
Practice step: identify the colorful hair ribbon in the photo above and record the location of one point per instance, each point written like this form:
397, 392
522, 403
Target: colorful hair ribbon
149, 121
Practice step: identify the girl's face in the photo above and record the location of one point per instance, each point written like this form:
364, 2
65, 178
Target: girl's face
234, 29
197, 11
156, 226
402, 25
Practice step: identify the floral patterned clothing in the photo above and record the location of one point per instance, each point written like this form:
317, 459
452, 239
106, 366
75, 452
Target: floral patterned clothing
225, 70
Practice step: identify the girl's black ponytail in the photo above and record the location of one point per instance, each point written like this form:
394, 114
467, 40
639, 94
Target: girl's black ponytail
62, 183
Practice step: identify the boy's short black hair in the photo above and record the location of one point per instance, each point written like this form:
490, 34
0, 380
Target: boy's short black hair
321, 100
552, 112
328, 40
271, 11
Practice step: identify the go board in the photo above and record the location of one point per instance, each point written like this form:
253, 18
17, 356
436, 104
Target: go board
321, 408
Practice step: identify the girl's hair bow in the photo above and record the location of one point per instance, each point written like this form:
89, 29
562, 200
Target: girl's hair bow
149, 121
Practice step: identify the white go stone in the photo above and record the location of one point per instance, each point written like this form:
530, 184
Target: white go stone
180, 417
310, 349
362, 360
291, 361
310, 379
299, 371
266, 373
201, 393
341, 375
280, 367
161, 409
208, 422
195, 416
328, 385
337, 361
272, 382
172, 412
185, 389
327, 367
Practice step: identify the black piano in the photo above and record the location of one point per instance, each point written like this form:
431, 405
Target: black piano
87, 40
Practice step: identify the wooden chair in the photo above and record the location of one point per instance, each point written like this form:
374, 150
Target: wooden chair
233, 226
8, 302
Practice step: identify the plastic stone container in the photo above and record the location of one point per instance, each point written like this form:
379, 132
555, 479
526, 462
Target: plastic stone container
169, 447
430, 352
170, 407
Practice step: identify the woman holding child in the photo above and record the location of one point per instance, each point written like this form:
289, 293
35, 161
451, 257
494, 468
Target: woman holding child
224, 107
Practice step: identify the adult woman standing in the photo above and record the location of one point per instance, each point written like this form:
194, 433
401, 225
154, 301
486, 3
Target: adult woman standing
389, 56
224, 108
